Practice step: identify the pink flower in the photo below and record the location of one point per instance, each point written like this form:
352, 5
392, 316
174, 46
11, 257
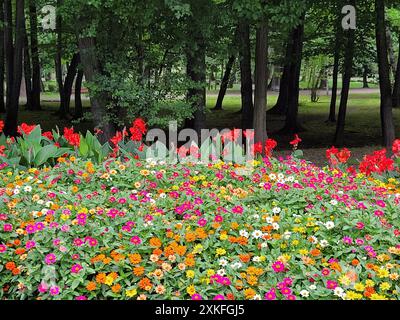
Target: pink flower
278, 266
360, 225
219, 297
202, 222
291, 297
30, 244
54, 290
196, 296
76, 268
42, 288
136, 240
330, 284
325, 272
270, 295
3, 248
238, 210
50, 259
7, 227
81, 298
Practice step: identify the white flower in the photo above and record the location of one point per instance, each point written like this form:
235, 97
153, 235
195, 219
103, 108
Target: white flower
323, 243
257, 297
304, 293
329, 225
281, 181
275, 226
313, 287
257, 234
28, 189
269, 220
339, 292
276, 210
221, 272
264, 245
313, 239
244, 233
49, 204
40, 201
236, 265
281, 176
223, 262
256, 259
16, 191
333, 202
290, 179
256, 217
163, 195
272, 176
287, 235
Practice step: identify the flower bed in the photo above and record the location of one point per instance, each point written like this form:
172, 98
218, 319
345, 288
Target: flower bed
128, 229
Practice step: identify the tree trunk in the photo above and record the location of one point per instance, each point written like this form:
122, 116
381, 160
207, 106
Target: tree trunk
27, 71
78, 96
91, 68
291, 124
62, 112
261, 83
388, 131
2, 57
245, 75
332, 109
396, 86
392, 60
69, 80
196, 72
36, 75
365, 77
348, 69
11, 123
225, 82
9, 49
281, 105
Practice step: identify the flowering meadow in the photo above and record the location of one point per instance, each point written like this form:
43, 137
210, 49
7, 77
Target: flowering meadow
129, 228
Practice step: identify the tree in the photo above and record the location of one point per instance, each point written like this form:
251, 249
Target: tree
388, 132
11, 120
36, 72
9, 49
2, 65
225, 82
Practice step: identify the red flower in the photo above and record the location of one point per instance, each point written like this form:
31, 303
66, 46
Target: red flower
117, 138
1, 126
270, 144
257, 148
343, 155
48, 135
376, 162
136, 134
25, 128
296, 140
140, 124
395, 147
2, 148
73, 138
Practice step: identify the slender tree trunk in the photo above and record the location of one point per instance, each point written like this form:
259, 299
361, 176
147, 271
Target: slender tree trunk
78, 96
11, 122
62, 112
245, 75
9, 49
292, 124
36, 75
91, 68
282, 103
392, 60
2, 57
196, 71
225, 82
261, 83
348, 69
332, 109
388, 131
365, 77
69, 80
27, 71
396, 86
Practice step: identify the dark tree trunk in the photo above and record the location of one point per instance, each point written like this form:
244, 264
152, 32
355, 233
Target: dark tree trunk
78, 96
245, 75
291, 124
91, 68
396, 86
281, 105
261, 83
332, 109
11, 123
392, 60
27, 71
69, 80
365, 77
348, 69
225, 82
196, 72
388, 131
2, 57
36, 75
9, 49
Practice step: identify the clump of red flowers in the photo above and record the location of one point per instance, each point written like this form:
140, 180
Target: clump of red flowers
336, 156
138, 129
72, 137
377, 162
270, 145
25, 129
1, 126
295, 142
396, 148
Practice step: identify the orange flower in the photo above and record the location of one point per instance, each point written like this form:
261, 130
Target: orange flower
135, 258
249, 293
155, 242
144, 283
15, 271
114, 275
107, 260
181, 250
315, 252
190, 237
242, 241
91, 286
116, 288
138, 271
17, 242
245, 258
10, 266
355, 262
369, 291
157, 252
336, 266
100, 278
20, 251
234, 225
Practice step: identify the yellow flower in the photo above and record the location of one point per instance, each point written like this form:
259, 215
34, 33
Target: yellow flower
382, 273
394, 276
109, 280
351, 295
220, 251
376, 296
191, 290
223, 236
303, 251
345, 280
190, 274
295, 242
359, 287
385, 286
131, 293
369, 283
210, 272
